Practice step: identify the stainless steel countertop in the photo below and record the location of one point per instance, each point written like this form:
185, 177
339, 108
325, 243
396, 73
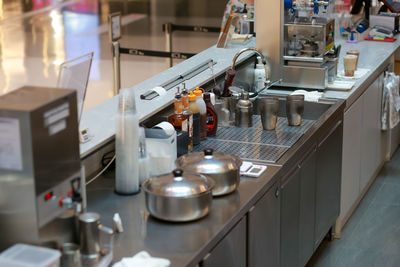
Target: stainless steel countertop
374, 56
100, 119
184, 244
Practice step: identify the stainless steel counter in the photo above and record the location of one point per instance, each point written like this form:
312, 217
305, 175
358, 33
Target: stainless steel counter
184, 244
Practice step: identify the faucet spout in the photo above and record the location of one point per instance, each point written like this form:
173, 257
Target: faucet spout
258, 53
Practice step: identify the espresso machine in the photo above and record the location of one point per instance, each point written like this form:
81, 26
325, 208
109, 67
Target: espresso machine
305, 33
40, 177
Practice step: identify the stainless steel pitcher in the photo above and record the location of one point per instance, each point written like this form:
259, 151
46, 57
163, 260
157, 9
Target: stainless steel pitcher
93, 235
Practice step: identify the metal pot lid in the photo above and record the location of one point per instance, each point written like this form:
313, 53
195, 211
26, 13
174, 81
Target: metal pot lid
209, 162
178, 184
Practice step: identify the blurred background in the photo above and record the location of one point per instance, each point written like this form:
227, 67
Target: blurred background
36, 36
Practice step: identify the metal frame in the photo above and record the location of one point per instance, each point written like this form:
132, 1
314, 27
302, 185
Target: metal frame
168, 28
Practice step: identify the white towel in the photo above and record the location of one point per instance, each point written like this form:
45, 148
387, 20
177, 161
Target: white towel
312, 96
142, 259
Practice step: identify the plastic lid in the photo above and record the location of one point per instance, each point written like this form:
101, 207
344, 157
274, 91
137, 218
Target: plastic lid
29, 256
192, 96
198, 92
178, 184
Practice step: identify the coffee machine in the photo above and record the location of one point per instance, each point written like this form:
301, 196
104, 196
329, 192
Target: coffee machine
40, 177
304, 33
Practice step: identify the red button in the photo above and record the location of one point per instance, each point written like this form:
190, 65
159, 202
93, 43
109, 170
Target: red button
48, 196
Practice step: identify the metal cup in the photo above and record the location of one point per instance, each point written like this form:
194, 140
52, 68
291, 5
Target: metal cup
269, 112
90, 235
71, 257
294, 109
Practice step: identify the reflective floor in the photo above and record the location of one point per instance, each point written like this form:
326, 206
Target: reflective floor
371, 236
36, 36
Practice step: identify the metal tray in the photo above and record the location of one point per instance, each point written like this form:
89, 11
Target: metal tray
254, 143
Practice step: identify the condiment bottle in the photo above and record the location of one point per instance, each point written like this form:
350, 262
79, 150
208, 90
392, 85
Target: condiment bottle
189, 116
203, 113
194, 108
230, 75
178, 120
127, 145
212, 117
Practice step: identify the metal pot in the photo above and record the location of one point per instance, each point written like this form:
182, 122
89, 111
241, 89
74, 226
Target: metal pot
178, 197
223, 169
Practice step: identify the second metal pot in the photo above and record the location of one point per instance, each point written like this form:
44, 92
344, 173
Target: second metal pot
178, 197
223, 169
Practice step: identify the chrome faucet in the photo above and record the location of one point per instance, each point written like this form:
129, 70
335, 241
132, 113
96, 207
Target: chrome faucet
258, 53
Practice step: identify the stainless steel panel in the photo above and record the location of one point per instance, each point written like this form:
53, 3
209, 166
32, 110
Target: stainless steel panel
269, 27
290, 219
329, 169
50, 157
305, 77
307, 208
264, 230
231, 250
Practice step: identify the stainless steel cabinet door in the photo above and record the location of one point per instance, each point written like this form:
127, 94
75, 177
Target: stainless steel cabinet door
329, 169
290, 218
307, 208
231, 250
263, 230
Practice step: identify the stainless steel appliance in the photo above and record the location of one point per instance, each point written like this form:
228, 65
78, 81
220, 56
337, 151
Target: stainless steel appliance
303, 34
39, 165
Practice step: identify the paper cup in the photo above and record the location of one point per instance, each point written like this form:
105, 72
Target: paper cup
355, 53
350, 65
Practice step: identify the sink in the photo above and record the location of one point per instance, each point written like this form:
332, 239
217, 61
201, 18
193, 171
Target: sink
256, 144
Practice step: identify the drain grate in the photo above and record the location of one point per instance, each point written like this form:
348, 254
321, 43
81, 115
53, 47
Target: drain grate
246, 151
254, 143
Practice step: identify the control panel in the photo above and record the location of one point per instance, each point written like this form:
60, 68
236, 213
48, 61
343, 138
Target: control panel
54, 201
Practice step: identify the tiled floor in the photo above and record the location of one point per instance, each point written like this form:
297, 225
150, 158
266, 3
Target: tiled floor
372, 235
36, 36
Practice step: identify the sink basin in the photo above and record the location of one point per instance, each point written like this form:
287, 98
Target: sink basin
255, 144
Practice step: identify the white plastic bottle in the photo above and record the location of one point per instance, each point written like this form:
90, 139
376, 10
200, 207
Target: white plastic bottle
259, 75
127, 145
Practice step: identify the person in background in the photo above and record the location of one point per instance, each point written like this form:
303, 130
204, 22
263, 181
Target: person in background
238, 7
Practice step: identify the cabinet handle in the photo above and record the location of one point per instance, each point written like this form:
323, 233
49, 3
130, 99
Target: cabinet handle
277, 192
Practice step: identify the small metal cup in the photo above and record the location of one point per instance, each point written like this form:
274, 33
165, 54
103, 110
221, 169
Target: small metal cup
269, 112
294, 109
89, 234
71, 256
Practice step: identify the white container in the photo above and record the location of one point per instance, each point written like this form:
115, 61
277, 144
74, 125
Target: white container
161, 150
127, 145
259, 75
21, 255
